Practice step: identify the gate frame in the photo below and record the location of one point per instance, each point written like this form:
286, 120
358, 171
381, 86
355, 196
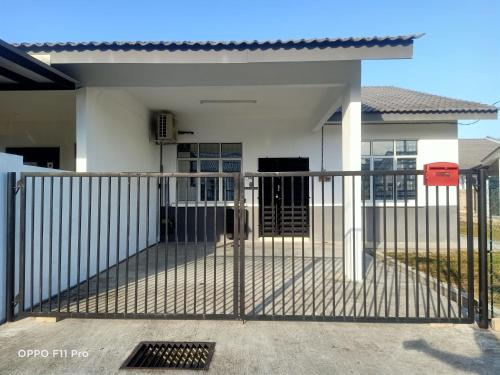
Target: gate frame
238, 245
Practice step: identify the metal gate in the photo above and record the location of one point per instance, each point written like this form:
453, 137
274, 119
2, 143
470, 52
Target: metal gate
191, 246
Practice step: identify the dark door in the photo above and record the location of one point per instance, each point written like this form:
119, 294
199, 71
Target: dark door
46, 157
283, 201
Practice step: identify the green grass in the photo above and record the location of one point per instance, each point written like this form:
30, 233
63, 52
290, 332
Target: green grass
495, 230
453, 270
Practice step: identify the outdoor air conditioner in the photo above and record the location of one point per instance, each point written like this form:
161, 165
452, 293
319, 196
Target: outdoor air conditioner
165, 130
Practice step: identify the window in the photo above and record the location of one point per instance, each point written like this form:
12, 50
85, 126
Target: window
207, 157
387, 156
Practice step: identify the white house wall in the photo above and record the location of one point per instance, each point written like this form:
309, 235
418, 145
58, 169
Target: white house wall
113, 132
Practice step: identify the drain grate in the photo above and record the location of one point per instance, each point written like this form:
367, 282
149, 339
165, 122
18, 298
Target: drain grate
171, 355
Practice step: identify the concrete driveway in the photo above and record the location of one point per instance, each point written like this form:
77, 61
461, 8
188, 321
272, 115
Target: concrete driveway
101, 346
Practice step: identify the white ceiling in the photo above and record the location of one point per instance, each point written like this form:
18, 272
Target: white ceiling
272, 101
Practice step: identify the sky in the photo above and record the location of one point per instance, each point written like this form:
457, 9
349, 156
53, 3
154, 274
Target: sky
458, 57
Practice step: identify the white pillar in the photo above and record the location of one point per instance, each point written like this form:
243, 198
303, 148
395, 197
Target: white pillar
351, 161
82, 98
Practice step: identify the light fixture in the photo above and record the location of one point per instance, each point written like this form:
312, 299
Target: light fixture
228, 101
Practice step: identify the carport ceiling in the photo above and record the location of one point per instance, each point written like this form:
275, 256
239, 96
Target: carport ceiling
19, 71
248, 101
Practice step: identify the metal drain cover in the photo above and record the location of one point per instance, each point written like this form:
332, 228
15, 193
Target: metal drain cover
171, 355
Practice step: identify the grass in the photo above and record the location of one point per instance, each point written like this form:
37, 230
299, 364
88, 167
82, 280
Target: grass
442, 266
495, 230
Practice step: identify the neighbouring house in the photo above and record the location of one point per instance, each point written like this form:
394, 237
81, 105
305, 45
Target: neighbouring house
229, 107
483, 152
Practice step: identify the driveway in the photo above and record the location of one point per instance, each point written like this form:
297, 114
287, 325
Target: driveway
256, 347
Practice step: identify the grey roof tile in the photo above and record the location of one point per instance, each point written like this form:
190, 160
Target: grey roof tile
390, 99
220, 45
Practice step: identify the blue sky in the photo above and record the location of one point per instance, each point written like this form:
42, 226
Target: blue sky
458, 57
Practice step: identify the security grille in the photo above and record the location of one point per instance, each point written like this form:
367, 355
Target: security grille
171, 355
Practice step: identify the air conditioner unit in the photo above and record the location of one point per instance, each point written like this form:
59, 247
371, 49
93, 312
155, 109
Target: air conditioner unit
165, 130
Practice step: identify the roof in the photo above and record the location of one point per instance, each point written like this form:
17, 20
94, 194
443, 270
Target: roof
20, 71
472, 152
380, 100
252, 45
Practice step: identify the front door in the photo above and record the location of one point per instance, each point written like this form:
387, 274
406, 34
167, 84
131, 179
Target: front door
283, 201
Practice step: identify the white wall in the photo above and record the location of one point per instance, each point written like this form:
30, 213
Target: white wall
113, 132
9, 163
287, 137
39, 119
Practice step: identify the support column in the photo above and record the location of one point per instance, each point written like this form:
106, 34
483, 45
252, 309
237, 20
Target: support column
81, 129
351, 161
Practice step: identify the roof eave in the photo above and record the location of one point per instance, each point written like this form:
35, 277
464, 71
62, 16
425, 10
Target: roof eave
421, 116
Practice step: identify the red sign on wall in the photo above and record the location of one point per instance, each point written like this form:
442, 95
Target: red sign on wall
441, 174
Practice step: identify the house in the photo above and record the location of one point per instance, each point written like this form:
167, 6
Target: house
259, 108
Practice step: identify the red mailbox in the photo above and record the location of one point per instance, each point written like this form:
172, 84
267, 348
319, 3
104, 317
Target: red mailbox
441, 174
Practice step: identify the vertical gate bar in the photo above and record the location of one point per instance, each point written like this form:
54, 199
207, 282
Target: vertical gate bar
407, 287
483, 260
374, 249
22, 245
176, 236
303, 255
343, 247
323, 244
205, 248
490, 248
427, 260
293, 244
40, 276
195, 281
313, 250
273, 226
108, 235
157, 237
216, 193
186, 210
241, 247
117, 255
70, 230
252, 184
448, 261
459, 255
32, 261
236, 218
11, 246
283, 294
417, 273
438, 261
127, 247
98, 245
51, 228
363, 248
146, 271
224, 191
470, 248
166, 183
79, 243
333, 249
89, 241
137, 257
396, 270
353, 223
262, 229
59, 247
386, 307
